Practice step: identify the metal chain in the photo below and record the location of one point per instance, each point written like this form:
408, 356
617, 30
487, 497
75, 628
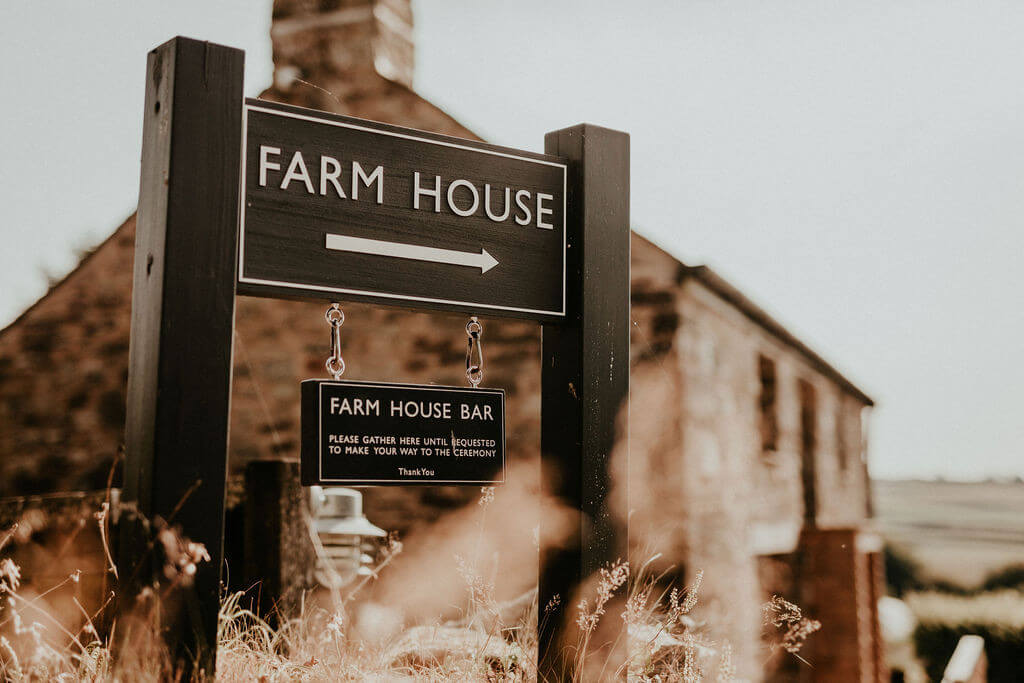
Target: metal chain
474, 352
335, 363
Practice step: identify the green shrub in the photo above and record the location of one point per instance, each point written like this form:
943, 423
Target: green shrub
1011, 576
902, 572
905, 574
998, 617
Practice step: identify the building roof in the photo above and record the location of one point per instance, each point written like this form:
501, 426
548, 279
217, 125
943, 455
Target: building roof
716, 283
728, 292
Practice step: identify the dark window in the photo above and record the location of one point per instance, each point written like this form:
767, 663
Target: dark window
808, 438
767, 405
842, 453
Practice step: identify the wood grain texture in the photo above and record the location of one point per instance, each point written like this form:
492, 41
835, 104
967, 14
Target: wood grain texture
182, 315
283, 230
278, 554
585, 373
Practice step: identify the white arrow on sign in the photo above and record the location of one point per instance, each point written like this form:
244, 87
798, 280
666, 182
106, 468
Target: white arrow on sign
361, 245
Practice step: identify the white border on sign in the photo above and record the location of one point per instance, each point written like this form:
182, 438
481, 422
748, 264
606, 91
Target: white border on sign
401, 297
357, 482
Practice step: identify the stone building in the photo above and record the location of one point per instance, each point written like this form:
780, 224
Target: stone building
747, 454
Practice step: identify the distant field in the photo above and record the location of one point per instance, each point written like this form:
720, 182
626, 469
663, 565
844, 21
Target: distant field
957, 531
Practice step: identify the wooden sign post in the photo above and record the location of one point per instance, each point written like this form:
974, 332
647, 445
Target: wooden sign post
292, 203
585, 372
183, 303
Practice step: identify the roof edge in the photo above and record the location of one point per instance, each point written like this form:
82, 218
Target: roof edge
473, 135
109, 238
278, 94
67, 276
717, 284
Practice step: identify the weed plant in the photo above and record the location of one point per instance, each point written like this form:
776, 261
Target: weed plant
632, 626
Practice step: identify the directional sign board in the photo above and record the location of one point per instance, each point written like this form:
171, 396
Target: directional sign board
373, 433
335, 207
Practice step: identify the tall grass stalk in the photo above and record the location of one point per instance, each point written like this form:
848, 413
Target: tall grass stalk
652, 637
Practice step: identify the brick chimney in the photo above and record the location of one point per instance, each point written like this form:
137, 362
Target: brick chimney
352, 48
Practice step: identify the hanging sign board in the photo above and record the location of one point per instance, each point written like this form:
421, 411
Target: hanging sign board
373, 433
345, 208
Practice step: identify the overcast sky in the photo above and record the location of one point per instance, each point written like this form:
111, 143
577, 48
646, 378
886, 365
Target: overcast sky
856, 168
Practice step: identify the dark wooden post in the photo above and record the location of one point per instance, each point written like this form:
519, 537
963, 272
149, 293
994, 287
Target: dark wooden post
585, 375
179, 378
278, 556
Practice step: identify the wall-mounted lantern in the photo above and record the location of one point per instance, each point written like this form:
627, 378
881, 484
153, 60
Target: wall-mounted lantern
348, 541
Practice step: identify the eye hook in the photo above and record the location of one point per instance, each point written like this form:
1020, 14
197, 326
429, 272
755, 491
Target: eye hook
335, 363
474, 352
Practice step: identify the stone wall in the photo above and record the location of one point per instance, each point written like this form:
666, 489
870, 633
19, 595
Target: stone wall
726, 345
63, 373
700, 472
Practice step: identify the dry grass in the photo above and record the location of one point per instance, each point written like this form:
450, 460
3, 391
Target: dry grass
631, 627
